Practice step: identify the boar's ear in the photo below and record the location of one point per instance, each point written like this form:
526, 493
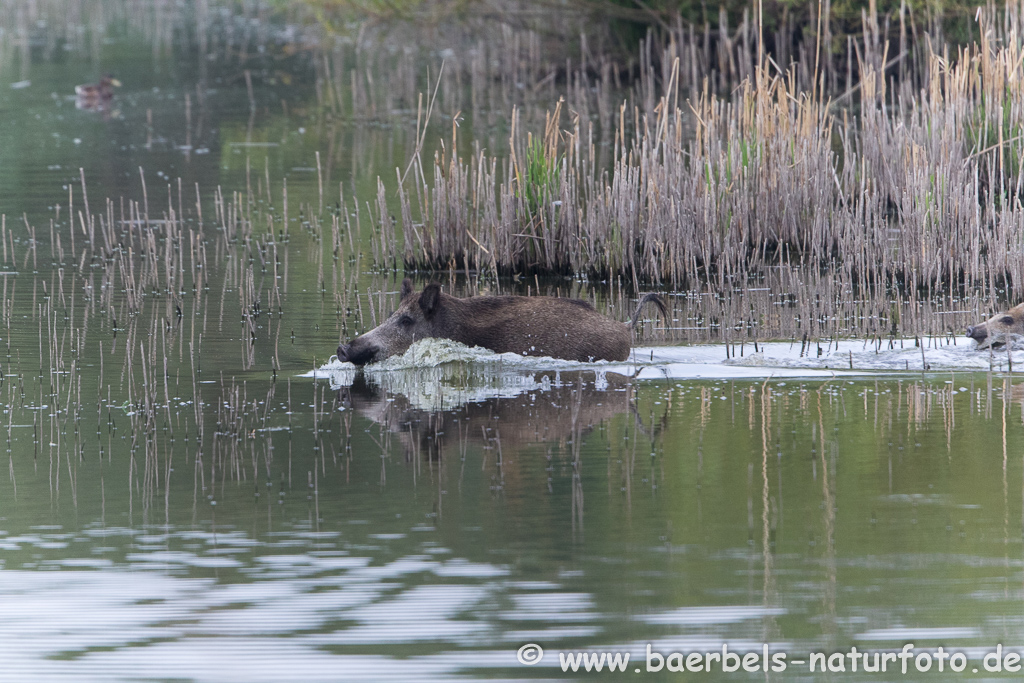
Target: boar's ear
430, 299
406, 288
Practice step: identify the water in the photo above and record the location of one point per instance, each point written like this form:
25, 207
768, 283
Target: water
579, 511
193, 490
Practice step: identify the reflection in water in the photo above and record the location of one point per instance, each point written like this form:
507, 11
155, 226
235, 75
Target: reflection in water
280, 623
396, 529
446, 411
178, 502
516, 409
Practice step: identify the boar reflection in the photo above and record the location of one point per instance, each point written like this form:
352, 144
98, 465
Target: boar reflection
432, 418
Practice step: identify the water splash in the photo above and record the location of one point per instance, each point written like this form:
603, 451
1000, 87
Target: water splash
440, 372
906, 355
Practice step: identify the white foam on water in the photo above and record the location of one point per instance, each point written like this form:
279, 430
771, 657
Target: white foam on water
483, 373
440, 374
901, 355
432, 352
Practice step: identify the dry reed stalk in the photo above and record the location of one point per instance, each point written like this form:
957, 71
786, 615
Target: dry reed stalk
758, 182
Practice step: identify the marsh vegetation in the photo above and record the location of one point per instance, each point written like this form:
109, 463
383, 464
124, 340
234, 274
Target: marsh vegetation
904, 178
177, 268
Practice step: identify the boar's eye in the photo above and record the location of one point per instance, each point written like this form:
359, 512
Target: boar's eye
406, 321
1007, 320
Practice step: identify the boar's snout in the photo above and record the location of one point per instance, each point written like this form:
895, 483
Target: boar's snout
357, 353
977, 333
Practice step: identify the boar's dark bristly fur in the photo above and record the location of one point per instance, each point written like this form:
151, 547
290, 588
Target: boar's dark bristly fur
995, 330
530, 326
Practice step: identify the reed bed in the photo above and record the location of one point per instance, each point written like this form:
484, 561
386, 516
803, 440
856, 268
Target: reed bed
124, 305
914, 189
148, 285
769, 213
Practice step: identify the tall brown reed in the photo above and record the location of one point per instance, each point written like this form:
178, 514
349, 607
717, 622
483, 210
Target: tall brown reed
919, 189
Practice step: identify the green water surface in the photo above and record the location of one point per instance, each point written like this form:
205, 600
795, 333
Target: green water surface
182, 501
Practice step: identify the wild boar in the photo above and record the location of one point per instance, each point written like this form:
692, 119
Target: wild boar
569, 329
996, 329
